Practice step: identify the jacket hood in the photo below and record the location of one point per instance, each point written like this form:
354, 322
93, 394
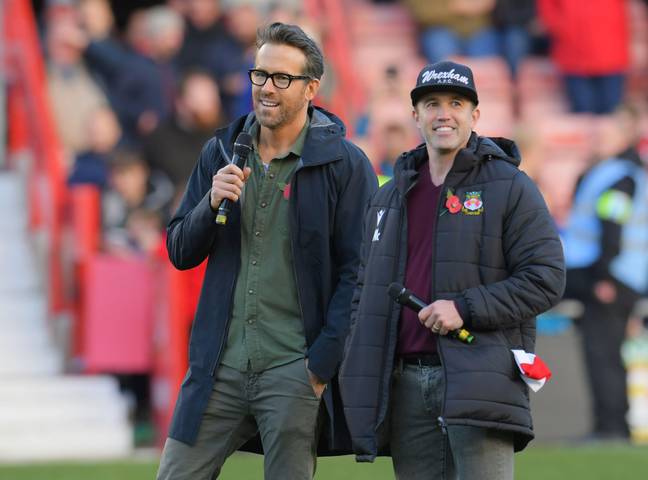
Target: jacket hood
325, 127
319, 116
479, 151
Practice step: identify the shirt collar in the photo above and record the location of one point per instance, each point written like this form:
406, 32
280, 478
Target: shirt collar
296, 148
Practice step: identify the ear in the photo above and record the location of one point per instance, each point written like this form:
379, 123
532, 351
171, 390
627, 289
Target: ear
415, 115
476, 113
312, 87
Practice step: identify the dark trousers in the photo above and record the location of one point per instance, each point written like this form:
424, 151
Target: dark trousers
595, 94
603, 328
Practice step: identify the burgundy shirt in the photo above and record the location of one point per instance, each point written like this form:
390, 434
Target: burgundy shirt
422, 201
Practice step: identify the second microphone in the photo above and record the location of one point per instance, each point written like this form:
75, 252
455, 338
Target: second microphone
407, 298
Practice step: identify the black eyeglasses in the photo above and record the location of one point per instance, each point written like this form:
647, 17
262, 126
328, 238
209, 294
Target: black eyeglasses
279, 80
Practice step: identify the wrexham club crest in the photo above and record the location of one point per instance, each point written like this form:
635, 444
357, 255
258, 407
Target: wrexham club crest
472, 204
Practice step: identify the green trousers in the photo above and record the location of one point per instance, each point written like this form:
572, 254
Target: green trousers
279, 404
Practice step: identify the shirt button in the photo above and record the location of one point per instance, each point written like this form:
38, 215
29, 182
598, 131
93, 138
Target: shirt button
254, 262
264, 204
250, 292
257, 234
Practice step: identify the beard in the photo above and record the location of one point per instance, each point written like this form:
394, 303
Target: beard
276, 117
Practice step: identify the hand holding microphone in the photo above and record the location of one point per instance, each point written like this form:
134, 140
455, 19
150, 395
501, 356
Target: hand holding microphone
406, 298
228, 182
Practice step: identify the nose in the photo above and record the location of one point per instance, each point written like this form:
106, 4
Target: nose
443, 112
268, 86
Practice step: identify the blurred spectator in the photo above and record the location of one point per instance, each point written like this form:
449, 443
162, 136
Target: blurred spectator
385, 100
605, 251
387, 125
243, 18
512, 20
395, 140
174, 145
73, 93
103, 133
454, 27
590, 46
140, 83
135, 35
209, 45
205, 31
179, 6
135, 208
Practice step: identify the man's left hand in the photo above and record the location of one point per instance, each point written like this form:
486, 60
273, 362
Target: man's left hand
317, 383
441, 317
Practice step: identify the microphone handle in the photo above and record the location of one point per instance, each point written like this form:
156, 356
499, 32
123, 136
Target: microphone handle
226, 205
416, 304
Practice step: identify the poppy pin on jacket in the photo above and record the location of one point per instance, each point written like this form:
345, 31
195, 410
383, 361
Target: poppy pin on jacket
285, 190
452, 204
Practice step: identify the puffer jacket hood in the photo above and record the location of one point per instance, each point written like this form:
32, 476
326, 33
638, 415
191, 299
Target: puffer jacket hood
478, 151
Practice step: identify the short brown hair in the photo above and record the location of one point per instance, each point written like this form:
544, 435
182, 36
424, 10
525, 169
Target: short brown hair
285, 34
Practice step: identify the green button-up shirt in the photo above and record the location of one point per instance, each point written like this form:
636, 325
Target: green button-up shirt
266, 329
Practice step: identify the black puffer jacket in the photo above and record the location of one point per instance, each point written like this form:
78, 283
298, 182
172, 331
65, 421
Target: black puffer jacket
503, 266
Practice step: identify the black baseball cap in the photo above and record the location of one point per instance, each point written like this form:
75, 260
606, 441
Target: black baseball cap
445, 77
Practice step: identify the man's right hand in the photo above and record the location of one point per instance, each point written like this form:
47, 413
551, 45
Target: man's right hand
228, 183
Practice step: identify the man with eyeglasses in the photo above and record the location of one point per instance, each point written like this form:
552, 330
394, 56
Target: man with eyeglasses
273, 315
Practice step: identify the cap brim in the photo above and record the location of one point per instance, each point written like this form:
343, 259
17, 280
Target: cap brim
420, 91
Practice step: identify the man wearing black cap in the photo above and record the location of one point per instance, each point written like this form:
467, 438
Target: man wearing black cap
469, 233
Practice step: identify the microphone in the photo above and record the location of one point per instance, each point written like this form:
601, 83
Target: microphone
242, 148
406, 298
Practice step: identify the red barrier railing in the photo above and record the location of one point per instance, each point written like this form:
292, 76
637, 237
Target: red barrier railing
85, 203
31, 129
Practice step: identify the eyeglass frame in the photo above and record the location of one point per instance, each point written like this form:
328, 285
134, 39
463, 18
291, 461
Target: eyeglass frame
272, 76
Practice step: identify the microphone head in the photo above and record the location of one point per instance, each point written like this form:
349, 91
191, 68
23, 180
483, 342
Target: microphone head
395, 291
243, 144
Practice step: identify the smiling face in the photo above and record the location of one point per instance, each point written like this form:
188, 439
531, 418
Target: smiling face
446, 120
275, 107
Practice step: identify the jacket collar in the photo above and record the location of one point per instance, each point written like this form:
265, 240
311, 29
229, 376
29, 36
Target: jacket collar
468, 160
323, 140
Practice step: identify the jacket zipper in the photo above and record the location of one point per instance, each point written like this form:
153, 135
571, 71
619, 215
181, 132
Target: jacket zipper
390, 354
292, 207
441, 420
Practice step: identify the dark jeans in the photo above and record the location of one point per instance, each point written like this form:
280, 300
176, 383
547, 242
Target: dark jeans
421, 451
279, 403
439, 43
603, 328
595, 94
515, 45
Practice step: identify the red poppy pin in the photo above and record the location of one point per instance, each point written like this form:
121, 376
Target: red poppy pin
452, 202
285, 189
